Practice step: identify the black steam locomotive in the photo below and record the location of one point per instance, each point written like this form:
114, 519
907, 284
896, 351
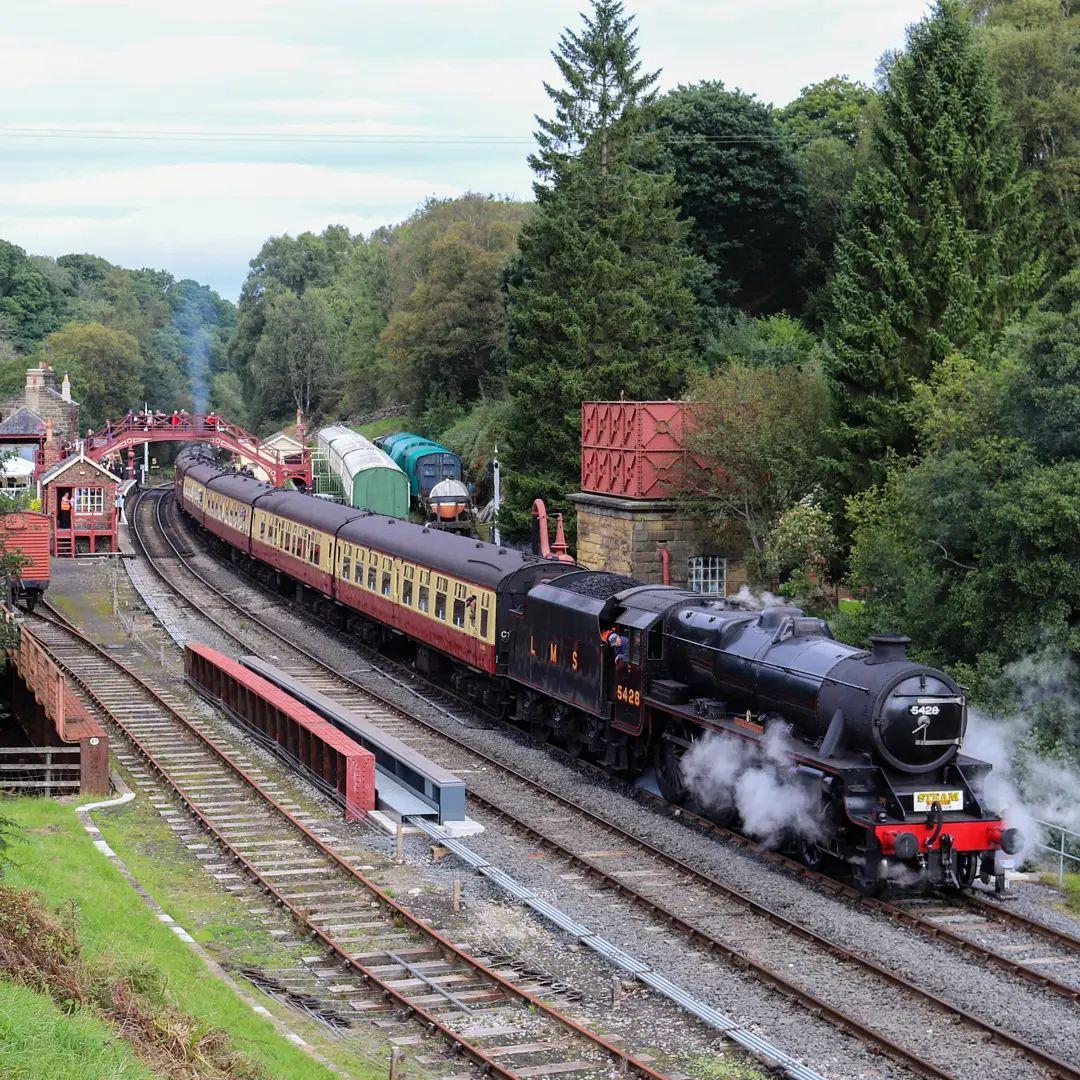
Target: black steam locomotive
868, 741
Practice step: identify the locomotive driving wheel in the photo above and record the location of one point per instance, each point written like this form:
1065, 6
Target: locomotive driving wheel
668, 750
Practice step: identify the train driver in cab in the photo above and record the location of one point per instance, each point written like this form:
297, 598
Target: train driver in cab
619, 644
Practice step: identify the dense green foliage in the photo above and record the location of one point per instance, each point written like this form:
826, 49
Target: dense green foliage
974, 547
1033, 47
339, 325
159, 340
599, 299
826, 125
937, 250
739, 184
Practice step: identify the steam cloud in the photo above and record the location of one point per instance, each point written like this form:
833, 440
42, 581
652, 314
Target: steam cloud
1025, 784
758, 601
758, 781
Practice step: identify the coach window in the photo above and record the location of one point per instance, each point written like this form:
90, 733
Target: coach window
372, 578
346, 567
459, 612
440, 605
485, 603
406, 592
387, 583
422, 601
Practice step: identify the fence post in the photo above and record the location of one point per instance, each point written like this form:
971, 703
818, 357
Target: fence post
1061, 862
48, 773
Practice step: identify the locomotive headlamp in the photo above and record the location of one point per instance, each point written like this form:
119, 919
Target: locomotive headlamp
906, 845
1010, 841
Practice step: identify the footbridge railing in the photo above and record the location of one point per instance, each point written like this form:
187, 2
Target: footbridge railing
134, 429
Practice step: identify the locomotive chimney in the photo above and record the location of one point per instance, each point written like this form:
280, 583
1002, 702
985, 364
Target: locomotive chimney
886, 647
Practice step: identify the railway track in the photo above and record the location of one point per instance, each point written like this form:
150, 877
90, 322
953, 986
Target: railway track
680, 895
953, 919
397, 961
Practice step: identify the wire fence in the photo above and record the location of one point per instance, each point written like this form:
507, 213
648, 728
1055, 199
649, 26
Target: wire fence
1062, 847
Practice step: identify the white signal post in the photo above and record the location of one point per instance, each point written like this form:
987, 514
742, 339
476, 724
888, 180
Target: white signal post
496, 496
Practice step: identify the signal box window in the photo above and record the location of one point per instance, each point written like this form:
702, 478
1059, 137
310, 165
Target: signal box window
89, 500
707, 574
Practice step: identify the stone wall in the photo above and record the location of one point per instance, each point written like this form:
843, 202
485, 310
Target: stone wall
625, 536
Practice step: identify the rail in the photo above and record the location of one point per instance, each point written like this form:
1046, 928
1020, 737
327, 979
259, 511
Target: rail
768, 976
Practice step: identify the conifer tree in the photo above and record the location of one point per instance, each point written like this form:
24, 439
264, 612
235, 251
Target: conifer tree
598, 300
603, 80
937, 250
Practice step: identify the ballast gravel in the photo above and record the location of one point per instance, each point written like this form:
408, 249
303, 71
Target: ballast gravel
1043, 1019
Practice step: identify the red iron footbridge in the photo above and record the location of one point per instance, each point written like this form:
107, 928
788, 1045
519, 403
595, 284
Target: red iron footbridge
277, 464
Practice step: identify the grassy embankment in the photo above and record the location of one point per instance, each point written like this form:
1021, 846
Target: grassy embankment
123, 952
389, 425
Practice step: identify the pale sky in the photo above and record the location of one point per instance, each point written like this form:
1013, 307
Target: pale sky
181, 134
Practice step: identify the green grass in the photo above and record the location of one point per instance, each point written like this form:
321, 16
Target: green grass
39, 1042
169, 872
723, 1067
1071, 891
387, 426
117, 929
852, 606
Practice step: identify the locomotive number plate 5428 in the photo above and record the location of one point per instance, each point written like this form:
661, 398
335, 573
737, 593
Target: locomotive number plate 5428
947, 800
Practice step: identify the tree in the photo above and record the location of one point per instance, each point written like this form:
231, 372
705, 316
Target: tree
598, 296
445, 341
825, 125
105, 366
739, 184
1033, 48
759, 434
227, 397
294, 363
775, 341
974, 550
29, 304
599, 306
604, 80
291, 265
937, 250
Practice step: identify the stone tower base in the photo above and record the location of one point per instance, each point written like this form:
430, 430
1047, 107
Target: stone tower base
625, 536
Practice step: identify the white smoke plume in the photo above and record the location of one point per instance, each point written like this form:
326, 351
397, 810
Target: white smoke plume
757, 780
758, 601
1025, 784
